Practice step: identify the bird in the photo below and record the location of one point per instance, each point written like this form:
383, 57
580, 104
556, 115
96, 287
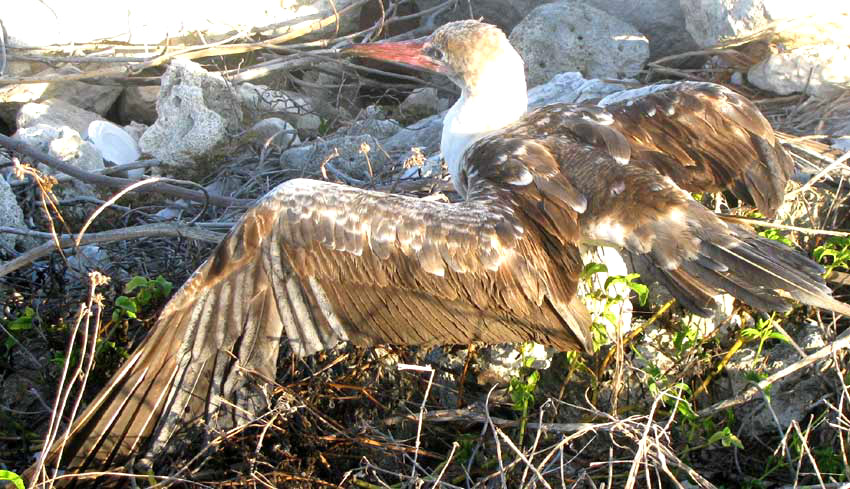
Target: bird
314, 263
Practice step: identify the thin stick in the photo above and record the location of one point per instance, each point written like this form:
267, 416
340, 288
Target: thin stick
133, 232
114, 182
833, 165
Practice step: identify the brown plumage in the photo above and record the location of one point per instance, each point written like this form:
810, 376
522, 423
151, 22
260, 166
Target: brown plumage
315, 263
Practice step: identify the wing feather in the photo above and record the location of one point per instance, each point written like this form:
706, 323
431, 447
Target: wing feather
706, 138
314, 263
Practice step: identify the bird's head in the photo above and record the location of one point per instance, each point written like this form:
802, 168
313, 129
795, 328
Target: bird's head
467, 51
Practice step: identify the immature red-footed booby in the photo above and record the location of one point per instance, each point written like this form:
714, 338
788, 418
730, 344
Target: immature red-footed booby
314, 263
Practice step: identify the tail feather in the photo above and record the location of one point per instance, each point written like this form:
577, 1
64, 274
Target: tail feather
759, 271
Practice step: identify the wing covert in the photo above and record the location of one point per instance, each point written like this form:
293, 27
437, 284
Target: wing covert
706, 138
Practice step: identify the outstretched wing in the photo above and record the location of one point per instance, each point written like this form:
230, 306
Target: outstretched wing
706, 138
314, 263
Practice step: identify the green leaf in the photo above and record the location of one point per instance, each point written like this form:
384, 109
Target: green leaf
641, 290
8, 475
593, 268
776, 335
144, 296
163, 285
22, 322
135, 283
127, 305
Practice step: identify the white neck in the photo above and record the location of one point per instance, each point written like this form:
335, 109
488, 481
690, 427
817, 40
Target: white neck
482, 110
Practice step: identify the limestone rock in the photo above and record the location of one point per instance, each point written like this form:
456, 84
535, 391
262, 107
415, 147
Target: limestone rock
712, 21
423, 102
272, 132
56, 113
259, 101
70, 148
503, 13
821, 70
196, 112
10, 215
87, 259
661, 21
792, 397
498, 364
572, 36
572, 88
94, 98
38, 136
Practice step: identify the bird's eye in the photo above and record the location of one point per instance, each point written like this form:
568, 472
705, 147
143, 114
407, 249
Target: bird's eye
434, 53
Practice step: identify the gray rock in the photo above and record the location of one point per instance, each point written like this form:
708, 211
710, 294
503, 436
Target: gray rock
373, 121
793, 396
274, 132
424, 135
345, 153
572, 88
56, 113
38, 136
258, 101
503, 13
841, 143
87, 259
661, 21
135, 130
94, 98
710, 22
138, 104
332, 85
631, 94
498, 364
10, 215
572, 36
70, 148
197, 110
821, 70
423, 102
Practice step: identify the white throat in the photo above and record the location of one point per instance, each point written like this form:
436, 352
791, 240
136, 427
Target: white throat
499, 100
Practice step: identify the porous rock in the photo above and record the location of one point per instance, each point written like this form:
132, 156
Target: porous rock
822, 70
615, 302
572, 36
498, 364
197, 111
94, 98
70, 148
259, 101
273, 131
661, 21
10, 215
55, 113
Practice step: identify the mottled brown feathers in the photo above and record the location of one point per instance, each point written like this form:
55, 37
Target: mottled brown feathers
707, 138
